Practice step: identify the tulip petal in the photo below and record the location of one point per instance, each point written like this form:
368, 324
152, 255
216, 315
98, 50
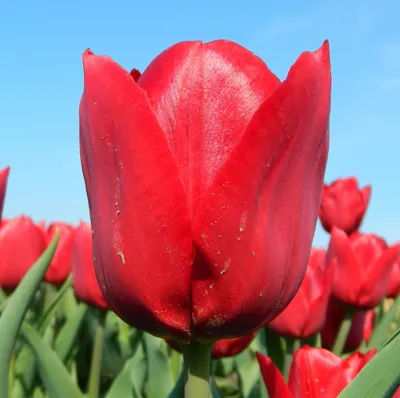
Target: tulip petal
253, 229
316, 373
204, 96
273, 379
142, 236
375, 285
344, 261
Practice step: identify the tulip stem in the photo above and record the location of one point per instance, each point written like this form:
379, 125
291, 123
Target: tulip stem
343, 333
292, 345
197, 365
97, 356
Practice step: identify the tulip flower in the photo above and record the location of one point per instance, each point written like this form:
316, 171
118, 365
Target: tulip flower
3, 187
21, 244
393, 289
60, 265
315, 372
204, 180
343, 205
305, 315
362, 266
83, 274
223, 348
362, 325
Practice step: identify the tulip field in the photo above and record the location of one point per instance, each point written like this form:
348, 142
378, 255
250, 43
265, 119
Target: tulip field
196, 276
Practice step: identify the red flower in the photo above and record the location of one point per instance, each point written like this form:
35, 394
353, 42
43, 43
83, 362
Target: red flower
60, 266
204, 180
21, 244
362, 266
343, 205
223, 348
362, 326
83, 273
315, 372
305, 315
3, 187
393, 289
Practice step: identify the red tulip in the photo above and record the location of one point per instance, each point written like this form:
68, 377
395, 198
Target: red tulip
315, 372
204, 180
362, 326
83, 273
393, 289
3, 187
21, 244
343, 205
305, 315
362, 266
60, 266
223, 348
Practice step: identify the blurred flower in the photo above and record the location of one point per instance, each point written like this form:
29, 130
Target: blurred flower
83, 274
60, 266
21, 244
343, 205
393, 289
3, 187
315, 372
362, 266
204, 180
361, 327
305, 315
223, 348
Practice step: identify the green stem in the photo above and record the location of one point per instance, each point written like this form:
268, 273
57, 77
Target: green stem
343, 333
97, 356
292, 345
197, 364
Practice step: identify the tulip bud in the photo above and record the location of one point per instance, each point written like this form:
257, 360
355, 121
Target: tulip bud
21, 244
343, 205
305, 315
315, 372
83, 274
60, 265
362, 266
204, 178
393, 289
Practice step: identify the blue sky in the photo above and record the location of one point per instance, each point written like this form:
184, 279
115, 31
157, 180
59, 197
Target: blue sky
41, 83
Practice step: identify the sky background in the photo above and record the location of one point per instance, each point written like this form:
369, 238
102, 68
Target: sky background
41, 83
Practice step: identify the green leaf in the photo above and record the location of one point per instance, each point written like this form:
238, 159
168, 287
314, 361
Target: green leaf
67, 335
55, 376
381, 330
17, 306
248, 372
47, 316
130, 380
380, 377
159, 382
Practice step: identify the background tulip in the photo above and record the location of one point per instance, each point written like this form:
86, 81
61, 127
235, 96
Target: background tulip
223, 348
204, 180
393, 289
362, 325
83, 275
343, 205
315, 372
362, 266
305, 315
60, 265
21, 244
3, 187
